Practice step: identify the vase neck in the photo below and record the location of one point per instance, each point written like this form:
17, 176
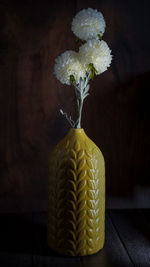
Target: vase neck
76, 131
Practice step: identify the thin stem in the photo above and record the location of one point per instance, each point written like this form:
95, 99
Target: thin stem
78, 123
72, 123
81, 91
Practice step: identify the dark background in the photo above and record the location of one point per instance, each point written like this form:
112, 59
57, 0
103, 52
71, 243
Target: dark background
115, 116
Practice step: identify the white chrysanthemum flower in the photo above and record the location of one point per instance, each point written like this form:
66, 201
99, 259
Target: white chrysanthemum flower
96, 52
88, 23
68, 64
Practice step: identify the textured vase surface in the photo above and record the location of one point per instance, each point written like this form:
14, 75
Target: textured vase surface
76, 196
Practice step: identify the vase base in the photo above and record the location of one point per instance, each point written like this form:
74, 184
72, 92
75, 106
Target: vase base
69, 253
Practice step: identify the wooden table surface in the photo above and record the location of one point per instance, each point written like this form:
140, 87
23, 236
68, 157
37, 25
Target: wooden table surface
23, 241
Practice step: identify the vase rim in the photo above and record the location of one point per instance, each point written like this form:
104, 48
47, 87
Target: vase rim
76, 130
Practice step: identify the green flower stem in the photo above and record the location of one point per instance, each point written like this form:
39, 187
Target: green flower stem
80, 106
69, 119
81, 91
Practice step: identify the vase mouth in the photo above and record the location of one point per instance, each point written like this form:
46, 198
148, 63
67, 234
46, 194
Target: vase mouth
76, 130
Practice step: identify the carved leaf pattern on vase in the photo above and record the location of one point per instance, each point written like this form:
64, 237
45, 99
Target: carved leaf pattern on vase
76, 198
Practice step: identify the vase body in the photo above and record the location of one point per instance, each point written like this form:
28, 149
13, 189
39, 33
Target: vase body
76, 196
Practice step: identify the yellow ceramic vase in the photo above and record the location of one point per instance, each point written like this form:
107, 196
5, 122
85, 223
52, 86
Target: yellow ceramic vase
76, 196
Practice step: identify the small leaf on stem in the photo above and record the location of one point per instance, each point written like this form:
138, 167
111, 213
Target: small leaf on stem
72, 79
78, 39
91, 69
99, 36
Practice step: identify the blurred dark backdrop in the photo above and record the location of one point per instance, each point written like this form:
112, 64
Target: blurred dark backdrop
115, 116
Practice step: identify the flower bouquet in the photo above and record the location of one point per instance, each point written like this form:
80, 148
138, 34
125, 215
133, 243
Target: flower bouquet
93, 58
